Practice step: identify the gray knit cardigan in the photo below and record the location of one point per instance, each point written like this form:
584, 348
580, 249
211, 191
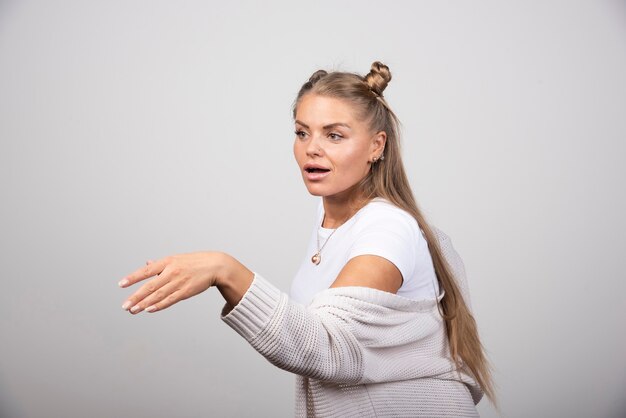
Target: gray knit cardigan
358, 351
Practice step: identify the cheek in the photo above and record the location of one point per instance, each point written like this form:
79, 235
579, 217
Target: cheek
351, 160
296, 151
299, 153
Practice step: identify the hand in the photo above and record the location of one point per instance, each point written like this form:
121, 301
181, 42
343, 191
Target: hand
178, 277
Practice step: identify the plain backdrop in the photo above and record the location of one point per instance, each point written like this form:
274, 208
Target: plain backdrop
132, 130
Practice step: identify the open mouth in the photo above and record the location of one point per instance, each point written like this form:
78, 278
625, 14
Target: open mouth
316, 170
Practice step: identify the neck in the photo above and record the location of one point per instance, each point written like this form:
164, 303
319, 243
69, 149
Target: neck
338, 209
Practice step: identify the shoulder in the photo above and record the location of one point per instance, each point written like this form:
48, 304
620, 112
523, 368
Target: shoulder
384, 229
383, 215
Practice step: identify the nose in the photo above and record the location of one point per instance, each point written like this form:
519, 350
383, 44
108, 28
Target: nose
314, 146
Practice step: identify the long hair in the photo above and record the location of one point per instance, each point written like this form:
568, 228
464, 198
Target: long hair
387, 179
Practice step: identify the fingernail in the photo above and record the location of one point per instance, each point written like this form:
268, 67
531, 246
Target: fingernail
151, 308
123, 282
135, 309
126, 305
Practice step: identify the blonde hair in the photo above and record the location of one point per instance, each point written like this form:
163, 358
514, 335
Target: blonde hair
387, 179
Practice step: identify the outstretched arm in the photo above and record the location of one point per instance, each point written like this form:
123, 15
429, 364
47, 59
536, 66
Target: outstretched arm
350, 333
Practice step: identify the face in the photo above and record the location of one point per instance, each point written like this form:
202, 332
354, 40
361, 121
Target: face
333, 148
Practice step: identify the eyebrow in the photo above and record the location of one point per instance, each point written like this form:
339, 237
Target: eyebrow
326, 127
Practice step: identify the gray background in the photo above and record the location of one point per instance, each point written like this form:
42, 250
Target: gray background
136, 129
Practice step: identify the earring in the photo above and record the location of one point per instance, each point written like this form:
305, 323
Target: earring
382, 157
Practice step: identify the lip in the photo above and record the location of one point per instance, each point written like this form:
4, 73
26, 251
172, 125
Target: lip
314, 176
311, 165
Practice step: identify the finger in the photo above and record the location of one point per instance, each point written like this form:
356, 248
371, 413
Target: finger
173, 298
159, 295
143, 273
147, 289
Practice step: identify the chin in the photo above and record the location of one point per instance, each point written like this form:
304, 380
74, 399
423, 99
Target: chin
314, 192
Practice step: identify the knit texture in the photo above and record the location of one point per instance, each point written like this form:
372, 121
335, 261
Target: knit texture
358, 351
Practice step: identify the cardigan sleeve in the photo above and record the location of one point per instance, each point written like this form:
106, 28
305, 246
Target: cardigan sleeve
347, 334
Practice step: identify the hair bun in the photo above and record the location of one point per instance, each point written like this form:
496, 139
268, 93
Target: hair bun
378, 77
316, 76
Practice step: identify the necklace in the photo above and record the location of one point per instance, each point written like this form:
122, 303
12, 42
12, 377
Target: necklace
317, 257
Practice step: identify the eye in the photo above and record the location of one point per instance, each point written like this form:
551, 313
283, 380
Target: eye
335, 136
300, 134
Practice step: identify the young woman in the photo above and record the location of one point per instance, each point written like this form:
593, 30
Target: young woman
377, 322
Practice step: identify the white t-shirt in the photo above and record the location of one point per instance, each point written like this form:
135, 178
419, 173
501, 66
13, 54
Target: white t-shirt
379, 228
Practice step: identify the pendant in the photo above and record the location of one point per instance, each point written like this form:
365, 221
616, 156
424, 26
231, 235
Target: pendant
316, 258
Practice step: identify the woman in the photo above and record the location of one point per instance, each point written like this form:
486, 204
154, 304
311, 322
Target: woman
375, 323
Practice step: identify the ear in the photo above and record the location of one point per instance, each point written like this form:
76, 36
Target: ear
378, 144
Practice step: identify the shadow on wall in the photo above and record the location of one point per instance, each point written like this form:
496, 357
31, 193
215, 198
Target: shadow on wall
7, 405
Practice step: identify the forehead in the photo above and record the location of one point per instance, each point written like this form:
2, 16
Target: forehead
323, 110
